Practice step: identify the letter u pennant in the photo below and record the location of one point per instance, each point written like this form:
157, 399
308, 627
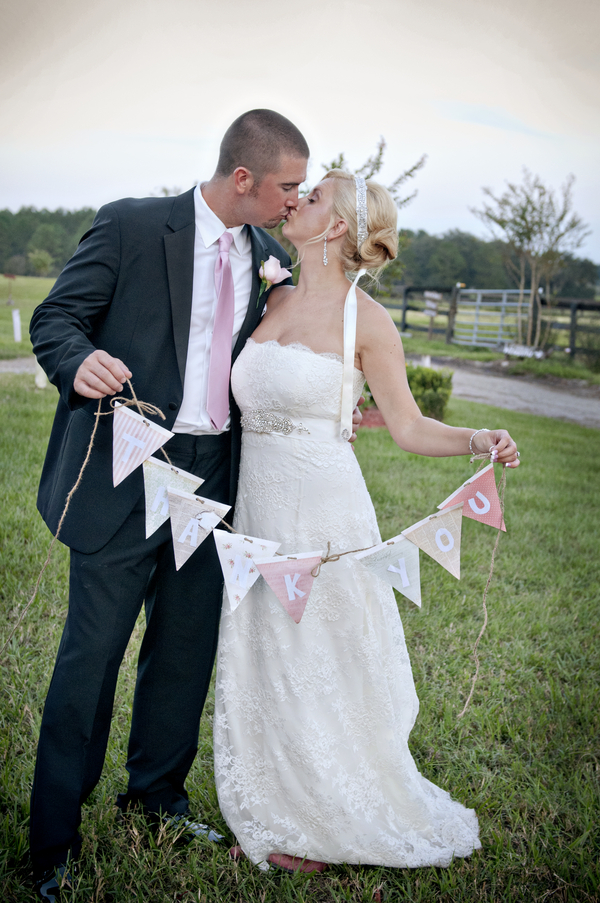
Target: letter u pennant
134, 440
480, 499
192, 519
439, 536
290, 579
236, 554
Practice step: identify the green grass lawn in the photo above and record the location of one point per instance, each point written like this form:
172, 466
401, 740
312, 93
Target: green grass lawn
27, 292
525, 756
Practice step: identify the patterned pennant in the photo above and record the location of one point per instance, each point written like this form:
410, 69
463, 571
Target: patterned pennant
290, 579
134, 440
480, 498
396, 561
236, 553
439, 536
192, 519
158, 478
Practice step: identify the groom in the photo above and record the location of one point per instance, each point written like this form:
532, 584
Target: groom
138, 301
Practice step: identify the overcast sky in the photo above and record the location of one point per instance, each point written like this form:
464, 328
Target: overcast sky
121, 97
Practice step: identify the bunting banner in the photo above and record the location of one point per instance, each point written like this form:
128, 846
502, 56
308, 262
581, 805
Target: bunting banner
134, 440
290, 579
236, 554
480, 499
159, 477
397, 562
439, 536
192, 520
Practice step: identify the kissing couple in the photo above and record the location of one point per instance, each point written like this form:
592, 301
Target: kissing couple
312, 719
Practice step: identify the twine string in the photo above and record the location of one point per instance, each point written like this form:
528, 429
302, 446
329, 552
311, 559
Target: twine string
487, 586
143, 407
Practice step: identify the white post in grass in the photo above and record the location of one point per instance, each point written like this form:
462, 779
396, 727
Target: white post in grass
16, 317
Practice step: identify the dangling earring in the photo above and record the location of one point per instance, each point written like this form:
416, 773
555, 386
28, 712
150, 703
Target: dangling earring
325, 252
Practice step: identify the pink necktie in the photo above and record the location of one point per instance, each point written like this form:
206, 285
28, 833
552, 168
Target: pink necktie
217, 402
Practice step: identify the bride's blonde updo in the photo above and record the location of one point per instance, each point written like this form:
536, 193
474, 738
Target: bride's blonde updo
381, 244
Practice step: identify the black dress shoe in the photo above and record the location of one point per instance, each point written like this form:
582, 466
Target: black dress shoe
53, 883
189, 830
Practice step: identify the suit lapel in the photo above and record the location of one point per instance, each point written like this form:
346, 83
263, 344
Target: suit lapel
253, 314
179, 252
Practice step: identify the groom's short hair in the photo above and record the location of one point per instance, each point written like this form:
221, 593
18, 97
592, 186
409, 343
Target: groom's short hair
256, 140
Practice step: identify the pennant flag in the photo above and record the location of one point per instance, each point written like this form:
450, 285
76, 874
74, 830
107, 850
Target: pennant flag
134, 440
439, 536
480, 499
396, 561
192, 519
290, 579
159, 477
236, 553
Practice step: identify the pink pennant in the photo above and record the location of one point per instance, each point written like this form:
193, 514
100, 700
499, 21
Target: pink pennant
480, 498
134, 440
290, 579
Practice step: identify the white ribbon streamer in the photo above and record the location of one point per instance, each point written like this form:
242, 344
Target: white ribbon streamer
350, 310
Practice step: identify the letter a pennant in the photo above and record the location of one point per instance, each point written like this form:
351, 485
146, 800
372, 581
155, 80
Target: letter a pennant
480, 499
396, 561
290, 579
134, 440
236, 554
439, 536
159, 477
192, 519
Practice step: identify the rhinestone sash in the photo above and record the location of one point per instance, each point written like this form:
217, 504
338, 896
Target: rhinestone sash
317, 429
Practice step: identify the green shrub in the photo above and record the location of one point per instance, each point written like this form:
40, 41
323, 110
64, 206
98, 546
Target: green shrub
431, 389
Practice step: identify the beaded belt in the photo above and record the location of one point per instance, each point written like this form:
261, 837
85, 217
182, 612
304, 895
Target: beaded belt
318, 429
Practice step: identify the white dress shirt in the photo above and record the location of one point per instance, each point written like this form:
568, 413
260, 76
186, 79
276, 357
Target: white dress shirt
193, 417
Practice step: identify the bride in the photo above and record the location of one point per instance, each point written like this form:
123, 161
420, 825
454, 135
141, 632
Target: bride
312, 720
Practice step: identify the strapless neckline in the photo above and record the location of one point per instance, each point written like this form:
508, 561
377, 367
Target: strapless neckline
299, 346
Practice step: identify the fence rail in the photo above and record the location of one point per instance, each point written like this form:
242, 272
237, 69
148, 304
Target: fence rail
489, 317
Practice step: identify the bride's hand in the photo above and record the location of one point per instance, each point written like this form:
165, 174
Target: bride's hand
356, 419
500, 443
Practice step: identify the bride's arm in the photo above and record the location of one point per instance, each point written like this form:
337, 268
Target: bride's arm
382, 361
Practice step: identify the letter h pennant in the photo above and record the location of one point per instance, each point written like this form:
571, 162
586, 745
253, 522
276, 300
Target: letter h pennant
480, 499
291, 579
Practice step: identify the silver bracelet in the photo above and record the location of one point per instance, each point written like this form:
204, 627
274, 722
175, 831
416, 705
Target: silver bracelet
482, 430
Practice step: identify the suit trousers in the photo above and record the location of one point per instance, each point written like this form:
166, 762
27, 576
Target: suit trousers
107, 590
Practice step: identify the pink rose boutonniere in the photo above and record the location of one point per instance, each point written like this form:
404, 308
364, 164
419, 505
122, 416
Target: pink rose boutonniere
271, 272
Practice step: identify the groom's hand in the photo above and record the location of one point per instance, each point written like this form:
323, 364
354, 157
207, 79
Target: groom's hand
356, 419
100, 375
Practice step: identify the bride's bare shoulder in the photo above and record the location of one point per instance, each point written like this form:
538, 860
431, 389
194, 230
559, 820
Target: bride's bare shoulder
374, 321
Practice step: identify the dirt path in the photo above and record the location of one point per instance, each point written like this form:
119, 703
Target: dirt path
575, 403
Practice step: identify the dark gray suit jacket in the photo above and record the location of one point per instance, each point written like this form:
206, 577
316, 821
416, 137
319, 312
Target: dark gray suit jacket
128, 291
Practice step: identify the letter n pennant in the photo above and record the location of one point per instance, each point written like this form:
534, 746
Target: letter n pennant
396, 561
192, 519
159, 477
439, 536
480, 499
236, 554
290, 579
134, 440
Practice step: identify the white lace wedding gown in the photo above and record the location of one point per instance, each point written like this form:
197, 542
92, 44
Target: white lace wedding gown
312, 719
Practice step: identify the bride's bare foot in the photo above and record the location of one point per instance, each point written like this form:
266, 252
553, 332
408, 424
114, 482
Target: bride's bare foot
296, 864
236, 853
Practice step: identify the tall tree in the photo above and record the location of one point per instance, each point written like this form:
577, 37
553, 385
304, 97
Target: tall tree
539, 226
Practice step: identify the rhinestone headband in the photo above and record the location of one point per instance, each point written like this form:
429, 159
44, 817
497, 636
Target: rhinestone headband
361, 210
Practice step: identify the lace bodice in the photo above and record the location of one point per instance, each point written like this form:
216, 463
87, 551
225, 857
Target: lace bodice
291, 379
